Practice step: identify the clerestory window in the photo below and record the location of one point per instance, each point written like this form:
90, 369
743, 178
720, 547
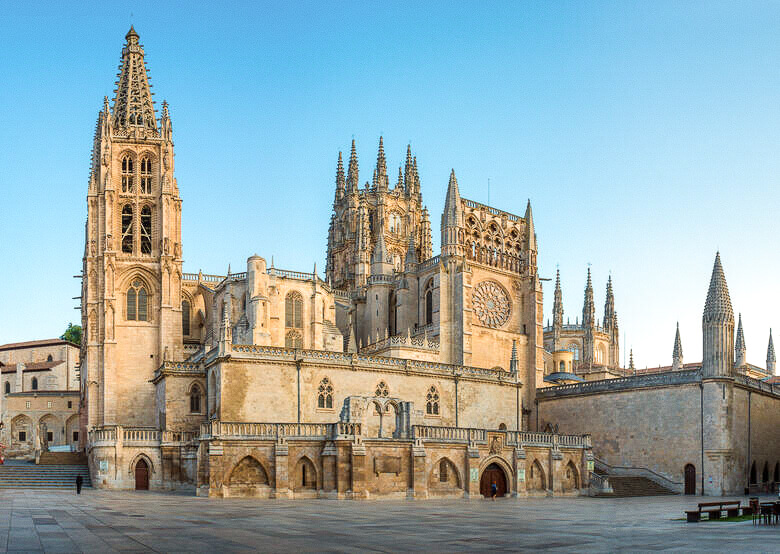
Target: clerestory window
185, 317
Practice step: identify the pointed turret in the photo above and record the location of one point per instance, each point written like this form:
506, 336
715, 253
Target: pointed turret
588, 307
718, 327
739, 345
513, 359
400, 184
557, 312
631, 360
380, 173
609, 306
133, 105
426, 238
451, 219
411, 255
529, 222
408, 171
341, 184
353, 182
677, 352
770, 355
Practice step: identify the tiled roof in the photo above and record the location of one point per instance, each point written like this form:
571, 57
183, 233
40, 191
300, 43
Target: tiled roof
32, 366
35, 343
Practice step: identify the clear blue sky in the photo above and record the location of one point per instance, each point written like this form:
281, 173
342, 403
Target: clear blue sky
646, 135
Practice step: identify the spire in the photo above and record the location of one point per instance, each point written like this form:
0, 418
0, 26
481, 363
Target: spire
341, 184
379, 259
513, 359
452, 202
408, 171
588, 308
380, 175
557, 312
631, 360
353, 182
529, 222
739, 345
770, 355
718, 305
677, 352
133, 105
609, 307
411, 254
400, 184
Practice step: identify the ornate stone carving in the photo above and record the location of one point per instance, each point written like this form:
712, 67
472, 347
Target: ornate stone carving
491, 304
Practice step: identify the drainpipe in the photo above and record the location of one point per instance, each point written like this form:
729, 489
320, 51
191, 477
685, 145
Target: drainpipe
701, 426
456, 400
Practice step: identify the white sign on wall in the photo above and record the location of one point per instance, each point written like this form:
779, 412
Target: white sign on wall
474, 474
103, 466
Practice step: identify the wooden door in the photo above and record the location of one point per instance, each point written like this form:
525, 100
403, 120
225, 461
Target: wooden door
141, 476
690, 479
493, 474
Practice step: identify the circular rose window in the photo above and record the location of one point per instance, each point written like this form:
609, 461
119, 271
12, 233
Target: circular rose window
491, 304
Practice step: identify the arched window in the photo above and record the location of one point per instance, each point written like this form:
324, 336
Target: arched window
8, 387
575, 349
443, 471
146, 175
293, 311
293, 339
127, 174
49, 358
325, 394
185, 317
429, 302
127, 229
382, 390
195, 395
146, 230
432, 402
137, 302
392, 315
502, 426
765, 473
34, 383
753, 476
562, 367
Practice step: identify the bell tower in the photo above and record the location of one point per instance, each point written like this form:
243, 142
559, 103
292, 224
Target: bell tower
131, 285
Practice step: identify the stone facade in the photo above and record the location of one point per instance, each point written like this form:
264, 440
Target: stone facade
40, 399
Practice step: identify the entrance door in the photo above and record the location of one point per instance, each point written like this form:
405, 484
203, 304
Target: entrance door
141, 476
493, 474
690, 479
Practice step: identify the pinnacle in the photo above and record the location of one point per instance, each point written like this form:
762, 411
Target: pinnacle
718, 303
677, 352
770, 350
740, 340
131, 33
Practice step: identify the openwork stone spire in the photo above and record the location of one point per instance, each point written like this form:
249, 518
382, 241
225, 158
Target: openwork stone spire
340, 181
677, 352
133, 105
588, 307
353, 180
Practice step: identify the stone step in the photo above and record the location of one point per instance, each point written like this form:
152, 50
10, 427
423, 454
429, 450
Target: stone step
24, 476
627, 486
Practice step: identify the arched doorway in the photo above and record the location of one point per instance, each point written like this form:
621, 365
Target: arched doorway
493, 474
690, 479
141, 475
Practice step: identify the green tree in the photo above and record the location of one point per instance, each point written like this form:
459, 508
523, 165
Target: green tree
72, 334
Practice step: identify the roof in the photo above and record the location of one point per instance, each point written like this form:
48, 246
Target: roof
32, 366
773, 380
36, 343
562, 376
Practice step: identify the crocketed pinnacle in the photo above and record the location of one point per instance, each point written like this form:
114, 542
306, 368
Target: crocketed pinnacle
411, 253
718, 305
588, 307
340, 181
677, 352
558, 301
353, 181
380, 179
451, 202
770, 350
631, 360
133, 105
529, 221
739, 344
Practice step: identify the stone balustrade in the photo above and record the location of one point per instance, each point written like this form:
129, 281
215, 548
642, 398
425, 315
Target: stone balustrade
622, 383
415, 341
275, 431
111, 435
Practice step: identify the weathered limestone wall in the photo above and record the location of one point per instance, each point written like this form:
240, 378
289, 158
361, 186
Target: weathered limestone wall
757, 413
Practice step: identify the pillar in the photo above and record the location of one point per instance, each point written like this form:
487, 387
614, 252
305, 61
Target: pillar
281, 470
472, 472
419, 481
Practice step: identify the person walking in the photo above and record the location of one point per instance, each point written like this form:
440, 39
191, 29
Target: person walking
493, 491
79, 482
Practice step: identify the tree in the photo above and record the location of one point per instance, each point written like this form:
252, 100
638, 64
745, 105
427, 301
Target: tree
72, 334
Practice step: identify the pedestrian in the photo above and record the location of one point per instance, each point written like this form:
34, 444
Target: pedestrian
493, 491
79, 481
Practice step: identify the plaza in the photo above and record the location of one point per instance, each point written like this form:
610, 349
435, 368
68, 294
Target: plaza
107, 521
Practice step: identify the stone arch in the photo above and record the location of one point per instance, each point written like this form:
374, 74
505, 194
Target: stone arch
444, 474
490, 471
536, 479
305, 476
571, 477
502, 463
71, 426
248, 477
53, 428
147, 279
374, 412
136, 459
390, 417
196, 397
21, 423
765, 473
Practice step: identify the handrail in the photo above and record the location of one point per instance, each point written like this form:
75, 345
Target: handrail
634, 468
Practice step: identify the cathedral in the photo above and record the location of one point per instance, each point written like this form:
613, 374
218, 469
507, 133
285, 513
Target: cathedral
400, 374
397, 374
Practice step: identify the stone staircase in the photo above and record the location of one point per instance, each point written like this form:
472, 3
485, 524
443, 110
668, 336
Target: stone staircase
31, 476
62, 458
625, 486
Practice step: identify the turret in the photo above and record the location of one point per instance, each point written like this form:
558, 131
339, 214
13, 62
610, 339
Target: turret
530, 239
557, 313
353, 176
451, 220
426, 239
341, 184
770, 355
380, 174
739, 345
677, 352
718, 327
380, 260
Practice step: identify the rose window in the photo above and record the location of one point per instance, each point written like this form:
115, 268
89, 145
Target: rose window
491, 304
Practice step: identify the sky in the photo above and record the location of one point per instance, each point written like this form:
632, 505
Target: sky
646, 135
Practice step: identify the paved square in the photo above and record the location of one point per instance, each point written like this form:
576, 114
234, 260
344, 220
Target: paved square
107, 521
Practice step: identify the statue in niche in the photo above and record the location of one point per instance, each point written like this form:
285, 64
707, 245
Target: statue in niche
109, 320
495, 445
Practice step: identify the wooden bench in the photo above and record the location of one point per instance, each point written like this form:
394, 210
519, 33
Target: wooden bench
714, 510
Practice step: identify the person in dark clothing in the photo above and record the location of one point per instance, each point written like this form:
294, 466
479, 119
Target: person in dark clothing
493, 491
79, 482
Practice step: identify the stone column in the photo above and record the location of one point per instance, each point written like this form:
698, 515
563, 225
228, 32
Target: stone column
520, 488
358, 460
472, 472
419, 481
282, 485
215, 469
329, 455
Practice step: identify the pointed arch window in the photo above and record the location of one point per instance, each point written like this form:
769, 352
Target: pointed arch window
429, 302
185, 317
34, 383
146, 230
127, 174
127, 229
293, 339
195, 397
325, 394
293, 311
146, 175
137, 309
7, 387
432, 402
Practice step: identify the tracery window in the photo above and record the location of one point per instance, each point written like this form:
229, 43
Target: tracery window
395, 224
382, 390
293, 311
195, 395
325, 394
137, 302
127, 229
293, 339
185, 317
127, 174
34, 383
146, 230
432, 402
146, 175
429, 302
575, 349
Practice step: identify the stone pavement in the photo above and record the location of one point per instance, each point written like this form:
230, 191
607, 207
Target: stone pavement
106, 521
